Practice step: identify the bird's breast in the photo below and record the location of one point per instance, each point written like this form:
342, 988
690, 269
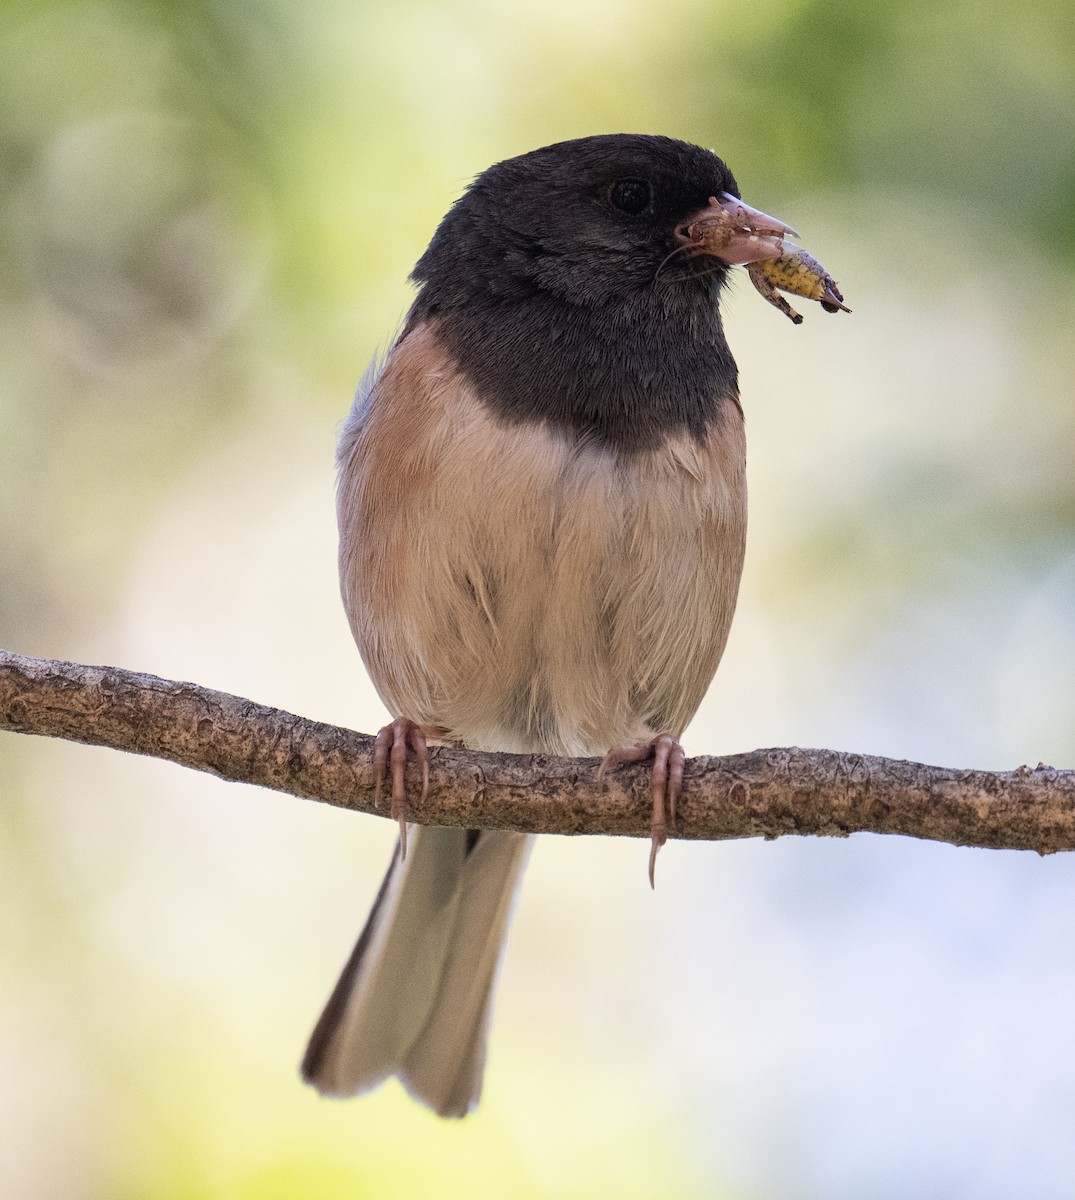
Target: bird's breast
521, 588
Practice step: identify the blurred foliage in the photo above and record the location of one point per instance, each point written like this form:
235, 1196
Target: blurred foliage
208, 209
970, 104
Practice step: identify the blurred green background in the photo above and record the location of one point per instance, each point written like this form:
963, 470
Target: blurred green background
208, 210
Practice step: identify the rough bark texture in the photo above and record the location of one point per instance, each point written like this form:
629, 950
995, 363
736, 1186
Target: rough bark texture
764, 793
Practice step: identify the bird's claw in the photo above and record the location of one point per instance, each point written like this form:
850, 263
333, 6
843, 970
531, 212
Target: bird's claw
390, 748
666, 783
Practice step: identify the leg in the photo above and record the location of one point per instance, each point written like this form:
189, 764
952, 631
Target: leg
390, 748
666, 783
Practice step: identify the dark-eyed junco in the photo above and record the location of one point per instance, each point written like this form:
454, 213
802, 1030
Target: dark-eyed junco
542, 511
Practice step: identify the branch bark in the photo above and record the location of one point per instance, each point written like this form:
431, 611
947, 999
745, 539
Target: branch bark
764, 793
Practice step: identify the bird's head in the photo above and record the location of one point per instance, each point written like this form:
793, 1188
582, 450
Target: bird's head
594, 220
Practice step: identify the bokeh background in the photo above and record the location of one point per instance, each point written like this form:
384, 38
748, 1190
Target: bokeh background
208, 210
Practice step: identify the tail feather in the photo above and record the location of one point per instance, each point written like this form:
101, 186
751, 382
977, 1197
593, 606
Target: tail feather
415, 997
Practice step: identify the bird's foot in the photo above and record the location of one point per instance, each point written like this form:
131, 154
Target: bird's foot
666, 783
390, 748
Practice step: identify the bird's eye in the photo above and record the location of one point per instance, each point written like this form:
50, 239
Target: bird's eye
631, 196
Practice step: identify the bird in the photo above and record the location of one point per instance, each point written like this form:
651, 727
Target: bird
542, 516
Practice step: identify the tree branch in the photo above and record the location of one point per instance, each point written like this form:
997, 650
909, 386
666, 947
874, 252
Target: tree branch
765, 793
